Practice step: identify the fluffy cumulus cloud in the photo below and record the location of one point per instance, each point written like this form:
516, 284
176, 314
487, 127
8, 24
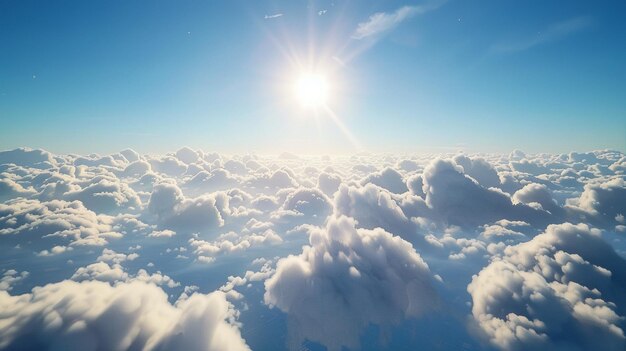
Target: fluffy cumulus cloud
388, 179
605, 201
461, 200
479, 169
58, 221
304, 206
115, 273
176, 212
136, 237
374, 207
347, 279
11, 277
97, 316
27, 157
564, 289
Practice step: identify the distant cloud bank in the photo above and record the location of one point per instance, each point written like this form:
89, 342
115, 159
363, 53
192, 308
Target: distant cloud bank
516, 251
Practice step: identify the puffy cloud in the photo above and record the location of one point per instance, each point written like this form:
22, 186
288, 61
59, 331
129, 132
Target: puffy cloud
179, 213
168, 165
534, 193
308, 202
231, 242
374, 207
105, 195
97, 316
166, 233
96, 160
109, 255
459, 200
164, 197
564, 289
388, 179
236, 167
31, 221
56, 250
27, 157
187, 155
479, 169
304, 205
408, 165
415, 184
604, 201
137, 169
619, 166
328, 183
280, 179
265, 272
529, 166
130, 155
11, 277
217, 179
101, 271
10, 189
347, 279
265, 203
505, 229
115, 273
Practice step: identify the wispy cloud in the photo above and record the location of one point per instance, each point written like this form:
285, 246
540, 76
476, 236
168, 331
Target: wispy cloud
382, 22
554, 32
276, 15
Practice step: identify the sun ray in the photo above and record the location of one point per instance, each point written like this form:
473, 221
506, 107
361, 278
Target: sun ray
342, 127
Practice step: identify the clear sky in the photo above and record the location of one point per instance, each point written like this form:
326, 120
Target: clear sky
100, 76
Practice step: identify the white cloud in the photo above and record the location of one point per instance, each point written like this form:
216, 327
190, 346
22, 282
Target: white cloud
382, 22
27, 157
328, 183
563, 289
116, 274
166, 233
458, 211
347, 279
179, 213
604, 201
10, 189
232, 242
52, 223
188, 155
480, 170
95, 315
460, 200
276, 15
10, 278
109, 255
388, 179
56, 250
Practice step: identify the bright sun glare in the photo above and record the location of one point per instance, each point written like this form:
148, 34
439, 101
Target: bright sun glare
312, 90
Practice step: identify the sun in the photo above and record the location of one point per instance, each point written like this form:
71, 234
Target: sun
311, 90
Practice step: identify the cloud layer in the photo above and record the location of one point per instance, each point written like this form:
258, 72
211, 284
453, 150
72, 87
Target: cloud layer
337, 251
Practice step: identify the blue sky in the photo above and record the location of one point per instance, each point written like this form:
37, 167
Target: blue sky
541, 76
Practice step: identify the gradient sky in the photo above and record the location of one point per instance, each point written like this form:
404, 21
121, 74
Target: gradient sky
492, 76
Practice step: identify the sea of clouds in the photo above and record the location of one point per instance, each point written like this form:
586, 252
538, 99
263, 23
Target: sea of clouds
201, 251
